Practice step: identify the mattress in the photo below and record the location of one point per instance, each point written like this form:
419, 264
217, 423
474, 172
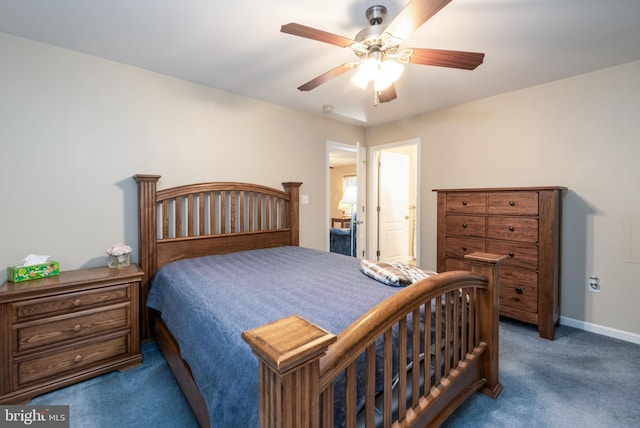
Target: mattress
207, 302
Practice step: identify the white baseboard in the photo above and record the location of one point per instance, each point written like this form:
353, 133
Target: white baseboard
598, 329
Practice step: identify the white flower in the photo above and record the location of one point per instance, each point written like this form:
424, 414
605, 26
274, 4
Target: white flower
119, 249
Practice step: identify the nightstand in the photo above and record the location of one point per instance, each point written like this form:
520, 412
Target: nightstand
64, 329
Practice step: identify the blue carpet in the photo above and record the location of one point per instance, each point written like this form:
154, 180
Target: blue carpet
580, 379
145, 396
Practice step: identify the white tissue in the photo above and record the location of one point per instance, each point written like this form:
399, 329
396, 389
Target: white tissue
34, 259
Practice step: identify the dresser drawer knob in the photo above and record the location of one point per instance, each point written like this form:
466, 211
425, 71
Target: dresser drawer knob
511, 228
77, 328
518, 290
464, 225
77, 302
464, 248
511, 254
512, 203
77, 358
464, 203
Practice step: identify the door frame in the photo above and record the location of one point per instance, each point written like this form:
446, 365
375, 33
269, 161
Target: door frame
373, 226
358, 149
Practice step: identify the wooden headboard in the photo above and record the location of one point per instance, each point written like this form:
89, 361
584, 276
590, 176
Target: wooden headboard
210, 218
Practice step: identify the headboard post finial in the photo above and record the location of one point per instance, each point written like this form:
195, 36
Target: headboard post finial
147, 224
293, 190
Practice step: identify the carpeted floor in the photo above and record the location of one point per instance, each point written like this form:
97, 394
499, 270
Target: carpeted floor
578, 380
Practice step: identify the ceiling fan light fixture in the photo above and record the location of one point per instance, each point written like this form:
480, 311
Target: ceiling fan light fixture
391, 69
383, 74
367, 71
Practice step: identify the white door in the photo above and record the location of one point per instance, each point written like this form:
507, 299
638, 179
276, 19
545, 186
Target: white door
393, 206
361, 235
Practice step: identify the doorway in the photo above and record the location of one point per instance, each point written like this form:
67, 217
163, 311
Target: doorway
346, 190
394, 225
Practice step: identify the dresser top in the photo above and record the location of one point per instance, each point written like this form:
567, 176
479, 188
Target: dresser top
502, 189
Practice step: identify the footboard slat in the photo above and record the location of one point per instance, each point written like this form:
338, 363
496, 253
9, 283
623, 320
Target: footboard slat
370, 386
415, 356
387, 377
402, 369
351, 396
438, 345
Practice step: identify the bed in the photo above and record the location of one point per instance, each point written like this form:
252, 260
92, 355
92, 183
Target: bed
300, 344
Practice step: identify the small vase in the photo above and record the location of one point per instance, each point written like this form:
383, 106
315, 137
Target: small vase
120, 261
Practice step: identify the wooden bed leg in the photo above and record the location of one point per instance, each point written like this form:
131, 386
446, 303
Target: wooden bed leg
288, 352
488, 265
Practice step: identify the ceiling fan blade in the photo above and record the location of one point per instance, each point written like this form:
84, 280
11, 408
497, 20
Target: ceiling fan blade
414, 14
325, 77
446, 58
315, 34
388, 94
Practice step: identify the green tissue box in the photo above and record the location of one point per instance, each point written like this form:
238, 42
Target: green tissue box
25, 273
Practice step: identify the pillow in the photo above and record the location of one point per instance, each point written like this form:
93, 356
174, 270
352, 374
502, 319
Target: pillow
395, 274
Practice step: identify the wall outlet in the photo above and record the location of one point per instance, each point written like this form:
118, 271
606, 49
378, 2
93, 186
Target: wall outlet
594, 284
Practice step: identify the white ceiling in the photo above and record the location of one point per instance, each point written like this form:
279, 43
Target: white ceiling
237, 46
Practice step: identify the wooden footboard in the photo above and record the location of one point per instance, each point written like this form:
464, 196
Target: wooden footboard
302, 367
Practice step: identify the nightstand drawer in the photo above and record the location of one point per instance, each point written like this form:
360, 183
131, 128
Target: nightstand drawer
513, 229
72, 359
513, 203
520, 255
64, 303
64, 328
519, 289
459, 247
466, 225
466, 203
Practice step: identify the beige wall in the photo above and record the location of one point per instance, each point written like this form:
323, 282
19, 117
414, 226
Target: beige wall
582, 133
75, 128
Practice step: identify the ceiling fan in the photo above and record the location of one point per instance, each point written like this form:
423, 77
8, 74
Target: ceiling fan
377, 47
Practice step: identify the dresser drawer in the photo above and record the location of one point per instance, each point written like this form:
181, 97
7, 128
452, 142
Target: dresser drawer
70, 302
520, 255
512, 203
457, 264
459, 247
519, 289
466, 225
68, 360
466, 203
64, 328
513, 229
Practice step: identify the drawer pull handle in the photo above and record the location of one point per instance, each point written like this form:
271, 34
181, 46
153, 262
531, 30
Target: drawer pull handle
464, 203
464, 225
512, 203
464, 248
77, 328
77, 302
511, 254
77, 358
511, 228
518, 290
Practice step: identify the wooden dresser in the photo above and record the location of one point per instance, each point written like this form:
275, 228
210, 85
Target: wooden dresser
60, 330
524, 224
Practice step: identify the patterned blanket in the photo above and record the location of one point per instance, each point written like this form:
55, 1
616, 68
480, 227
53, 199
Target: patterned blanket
395, 274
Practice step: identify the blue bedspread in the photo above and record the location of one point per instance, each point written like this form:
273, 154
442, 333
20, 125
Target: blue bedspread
208, 302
